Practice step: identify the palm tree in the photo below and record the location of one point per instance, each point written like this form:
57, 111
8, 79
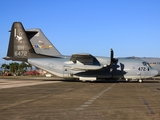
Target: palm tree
14, 67
23, 67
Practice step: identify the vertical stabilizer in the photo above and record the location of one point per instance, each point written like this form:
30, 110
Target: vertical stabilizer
19, 45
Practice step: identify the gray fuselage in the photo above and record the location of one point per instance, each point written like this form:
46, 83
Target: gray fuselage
123, 68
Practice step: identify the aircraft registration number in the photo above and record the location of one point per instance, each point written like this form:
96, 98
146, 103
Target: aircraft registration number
20, 53
142, 69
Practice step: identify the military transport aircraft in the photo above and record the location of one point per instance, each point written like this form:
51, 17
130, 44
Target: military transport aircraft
84, 67
43, 46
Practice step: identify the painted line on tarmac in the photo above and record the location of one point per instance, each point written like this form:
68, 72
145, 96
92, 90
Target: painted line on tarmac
90, 101
13, 84
149, 108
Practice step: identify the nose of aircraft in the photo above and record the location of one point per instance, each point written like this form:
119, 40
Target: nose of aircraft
154, 72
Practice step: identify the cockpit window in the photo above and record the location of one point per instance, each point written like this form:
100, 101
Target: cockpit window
146, 64
149, 65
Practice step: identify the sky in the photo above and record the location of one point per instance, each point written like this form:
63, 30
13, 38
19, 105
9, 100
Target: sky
129, 27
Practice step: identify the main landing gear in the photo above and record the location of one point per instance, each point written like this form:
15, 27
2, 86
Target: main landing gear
139, 80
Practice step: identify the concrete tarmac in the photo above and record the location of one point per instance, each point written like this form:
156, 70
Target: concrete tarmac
71, 100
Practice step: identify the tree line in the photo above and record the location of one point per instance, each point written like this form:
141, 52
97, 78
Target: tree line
16, 68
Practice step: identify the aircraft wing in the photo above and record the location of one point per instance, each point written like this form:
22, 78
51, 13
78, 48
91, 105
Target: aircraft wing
84, 62
86, 59
84, 67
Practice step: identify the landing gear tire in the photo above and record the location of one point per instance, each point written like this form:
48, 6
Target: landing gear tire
140, 80
127, 80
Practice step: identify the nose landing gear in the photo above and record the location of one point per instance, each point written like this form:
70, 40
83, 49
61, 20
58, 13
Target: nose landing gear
140, 80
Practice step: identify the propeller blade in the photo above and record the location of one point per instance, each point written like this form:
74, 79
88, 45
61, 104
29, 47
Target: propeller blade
112, 61
111, 56
112, 53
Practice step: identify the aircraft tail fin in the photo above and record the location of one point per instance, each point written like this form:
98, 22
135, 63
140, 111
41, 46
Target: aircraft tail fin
41, 44
19, 46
